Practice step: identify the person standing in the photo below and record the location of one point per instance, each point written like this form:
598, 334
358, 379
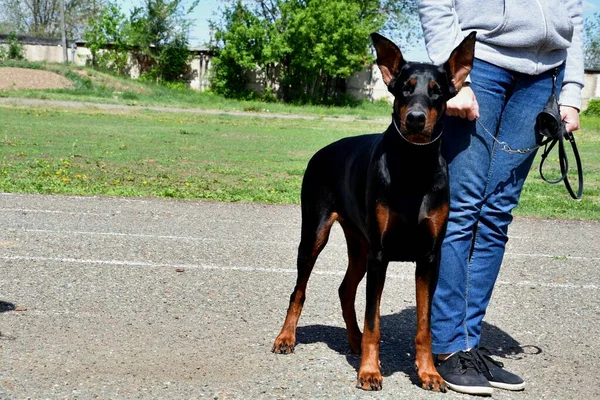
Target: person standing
522, 47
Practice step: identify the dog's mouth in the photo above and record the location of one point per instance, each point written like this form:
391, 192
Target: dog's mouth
418, 137
423, 134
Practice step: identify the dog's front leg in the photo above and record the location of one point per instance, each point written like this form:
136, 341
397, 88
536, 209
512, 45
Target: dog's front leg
369, 373
426, 279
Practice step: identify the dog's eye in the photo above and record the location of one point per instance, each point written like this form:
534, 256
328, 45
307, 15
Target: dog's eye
435, 91
407, 90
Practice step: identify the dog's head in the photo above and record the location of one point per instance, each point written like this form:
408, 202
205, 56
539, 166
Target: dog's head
421, 90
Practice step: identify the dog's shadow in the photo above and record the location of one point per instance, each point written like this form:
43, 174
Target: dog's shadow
397, 349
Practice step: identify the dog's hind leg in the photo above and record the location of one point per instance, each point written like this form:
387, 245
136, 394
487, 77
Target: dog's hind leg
315, 233
358, 248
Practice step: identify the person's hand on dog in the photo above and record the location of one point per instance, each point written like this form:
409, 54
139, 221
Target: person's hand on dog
463, 105
571, 117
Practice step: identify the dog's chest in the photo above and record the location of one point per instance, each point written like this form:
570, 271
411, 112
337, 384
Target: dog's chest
405, 233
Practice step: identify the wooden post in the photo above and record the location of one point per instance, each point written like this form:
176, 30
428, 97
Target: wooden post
63, 32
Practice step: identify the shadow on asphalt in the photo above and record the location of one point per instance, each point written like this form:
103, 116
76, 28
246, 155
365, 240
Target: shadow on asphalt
6, 306
397, 343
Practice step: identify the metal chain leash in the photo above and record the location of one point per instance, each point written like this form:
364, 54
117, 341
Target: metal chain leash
505, 146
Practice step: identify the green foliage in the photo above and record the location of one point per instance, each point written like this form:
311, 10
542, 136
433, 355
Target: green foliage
593, 108
326, 45
108, 40
159, 35
591, 41
154, 35
302, 50
14, 50
242, 44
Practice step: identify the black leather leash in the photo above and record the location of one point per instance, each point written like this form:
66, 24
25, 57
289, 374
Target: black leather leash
552, 138
564, 163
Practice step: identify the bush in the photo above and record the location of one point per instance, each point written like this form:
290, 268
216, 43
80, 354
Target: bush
593, 108
15, 49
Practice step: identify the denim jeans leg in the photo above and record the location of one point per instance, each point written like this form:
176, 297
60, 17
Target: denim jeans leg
468, 152
508, 172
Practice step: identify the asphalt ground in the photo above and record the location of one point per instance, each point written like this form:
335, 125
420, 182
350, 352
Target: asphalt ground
139, 298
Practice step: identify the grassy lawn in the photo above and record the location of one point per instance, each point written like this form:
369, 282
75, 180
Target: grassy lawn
225, 158
160, 154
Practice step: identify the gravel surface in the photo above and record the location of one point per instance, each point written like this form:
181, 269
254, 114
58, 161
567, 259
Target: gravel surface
157, 299
25, 78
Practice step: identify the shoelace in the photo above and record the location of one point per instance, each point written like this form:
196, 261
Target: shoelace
467, 361
481, 355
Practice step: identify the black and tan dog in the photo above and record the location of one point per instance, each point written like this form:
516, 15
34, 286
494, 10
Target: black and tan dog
389, 192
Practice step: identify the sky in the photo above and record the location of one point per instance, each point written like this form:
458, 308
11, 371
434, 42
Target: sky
206, 10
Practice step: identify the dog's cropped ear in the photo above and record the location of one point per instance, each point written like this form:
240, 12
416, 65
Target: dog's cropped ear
460, 62
389, 57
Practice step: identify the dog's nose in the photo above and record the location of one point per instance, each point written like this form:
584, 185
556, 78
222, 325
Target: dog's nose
415, 120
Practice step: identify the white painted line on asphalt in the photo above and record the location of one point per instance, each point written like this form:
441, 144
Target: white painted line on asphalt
119, 214
404, 277
254, 240
147, 236
160, 265
31, 210
557, 256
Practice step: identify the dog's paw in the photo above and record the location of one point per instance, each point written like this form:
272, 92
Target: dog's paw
433, 381
369, 380
284, 345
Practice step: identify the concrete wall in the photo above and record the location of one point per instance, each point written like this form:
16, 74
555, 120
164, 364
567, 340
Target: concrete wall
44, 49
368, 84
591, 90
50, 50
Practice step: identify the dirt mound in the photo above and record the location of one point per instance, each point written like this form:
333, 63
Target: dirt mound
24, 78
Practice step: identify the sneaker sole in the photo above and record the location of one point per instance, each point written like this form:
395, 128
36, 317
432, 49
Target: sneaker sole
480, 390
508, 386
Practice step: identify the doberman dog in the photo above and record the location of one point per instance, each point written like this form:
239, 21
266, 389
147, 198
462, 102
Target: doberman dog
389, 192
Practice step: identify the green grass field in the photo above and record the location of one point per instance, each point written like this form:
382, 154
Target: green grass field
160, 154
225, 158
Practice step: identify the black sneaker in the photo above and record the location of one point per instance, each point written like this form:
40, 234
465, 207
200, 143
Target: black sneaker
493, 370
462, 374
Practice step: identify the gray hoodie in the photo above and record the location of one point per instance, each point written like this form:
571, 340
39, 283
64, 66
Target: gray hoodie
529, 36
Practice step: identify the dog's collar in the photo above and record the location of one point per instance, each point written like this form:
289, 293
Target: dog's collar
416, 144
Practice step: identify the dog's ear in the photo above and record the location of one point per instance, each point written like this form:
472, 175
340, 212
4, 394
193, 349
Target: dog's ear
389, 57
460, 62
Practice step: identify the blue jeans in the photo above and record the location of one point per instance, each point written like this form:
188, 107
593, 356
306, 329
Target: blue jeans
485, 185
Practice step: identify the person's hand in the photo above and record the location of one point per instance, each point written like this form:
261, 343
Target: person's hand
571, 117
463, 105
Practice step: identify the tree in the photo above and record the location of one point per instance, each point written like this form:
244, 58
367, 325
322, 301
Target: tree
242, 48
14, 50
159, 34
591, 41
41, 17
155, 35
306, 48
108, 39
